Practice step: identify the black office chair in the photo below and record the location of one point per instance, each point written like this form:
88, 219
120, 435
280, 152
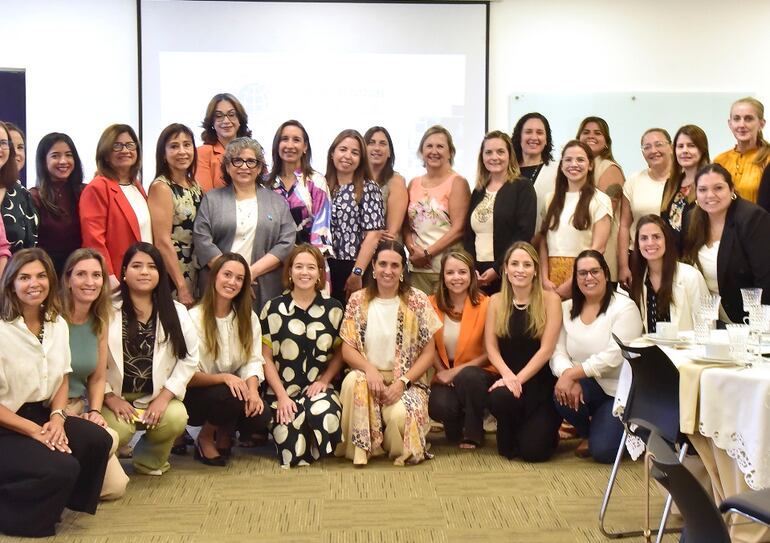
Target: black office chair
652, 405
754, 505
702, 521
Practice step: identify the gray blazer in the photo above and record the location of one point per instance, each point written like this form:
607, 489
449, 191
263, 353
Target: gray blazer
214, 232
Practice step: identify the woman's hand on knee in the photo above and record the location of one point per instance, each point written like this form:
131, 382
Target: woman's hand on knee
122, 409
254, 405
375, 382
286, 411
316, 388
393, 392
155, 411
54, 435
237, 386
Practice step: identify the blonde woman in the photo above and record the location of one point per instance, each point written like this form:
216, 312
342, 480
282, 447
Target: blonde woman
85, 297
522, 327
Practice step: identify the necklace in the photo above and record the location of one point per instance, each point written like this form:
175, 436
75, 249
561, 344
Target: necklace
521, 307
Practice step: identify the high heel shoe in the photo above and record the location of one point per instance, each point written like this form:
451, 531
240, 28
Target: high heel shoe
218, 460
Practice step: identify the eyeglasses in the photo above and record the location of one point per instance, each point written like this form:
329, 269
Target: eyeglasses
118, 146
251, 163
656, 145
5, 144
583, 274
219, 116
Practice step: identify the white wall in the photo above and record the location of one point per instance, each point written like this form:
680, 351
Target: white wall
562, 46
81, 64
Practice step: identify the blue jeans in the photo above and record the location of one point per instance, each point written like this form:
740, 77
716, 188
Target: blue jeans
594, 420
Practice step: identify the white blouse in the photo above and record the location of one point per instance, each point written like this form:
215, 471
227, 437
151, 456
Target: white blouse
230, 359
142, 212
246, 215
380, 340
31, 371
592, 346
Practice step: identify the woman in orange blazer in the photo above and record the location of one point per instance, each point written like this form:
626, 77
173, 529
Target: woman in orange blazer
463, 373
113, 206
225, 120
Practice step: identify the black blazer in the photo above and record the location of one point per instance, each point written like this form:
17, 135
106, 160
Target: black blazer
743, 260
513, 218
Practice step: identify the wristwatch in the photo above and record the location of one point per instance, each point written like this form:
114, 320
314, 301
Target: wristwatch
358, 271
59, 412
405, 380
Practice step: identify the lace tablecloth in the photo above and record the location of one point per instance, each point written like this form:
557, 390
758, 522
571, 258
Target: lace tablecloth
734, 411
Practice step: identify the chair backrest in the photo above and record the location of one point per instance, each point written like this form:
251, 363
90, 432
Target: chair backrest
653, 400
702, 521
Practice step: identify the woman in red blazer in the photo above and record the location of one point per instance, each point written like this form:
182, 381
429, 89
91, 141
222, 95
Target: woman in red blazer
225, 120
463, 373
113, 206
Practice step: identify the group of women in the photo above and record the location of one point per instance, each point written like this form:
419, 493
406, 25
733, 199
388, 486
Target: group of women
443, 303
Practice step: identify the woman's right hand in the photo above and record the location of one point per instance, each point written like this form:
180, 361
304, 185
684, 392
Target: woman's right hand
549, 285
488, 277
286, 410
624, 277
185, 297
44, 438
122, 409
445, 376
375, 382
237, 386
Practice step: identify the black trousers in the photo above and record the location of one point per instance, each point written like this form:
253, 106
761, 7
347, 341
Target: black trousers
216, 405
340, 270
461, 407
494, 287
36, 483
524, 428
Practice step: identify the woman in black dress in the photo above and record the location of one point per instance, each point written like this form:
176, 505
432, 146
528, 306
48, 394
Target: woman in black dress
523, 324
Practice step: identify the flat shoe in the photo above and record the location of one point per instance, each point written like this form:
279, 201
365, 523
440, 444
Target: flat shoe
179, 450
217, 461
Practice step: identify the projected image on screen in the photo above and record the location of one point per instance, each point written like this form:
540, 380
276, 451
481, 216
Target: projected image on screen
406, 67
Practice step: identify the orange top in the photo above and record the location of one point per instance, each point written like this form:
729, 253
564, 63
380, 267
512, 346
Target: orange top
470, 343
209, 171
746, 174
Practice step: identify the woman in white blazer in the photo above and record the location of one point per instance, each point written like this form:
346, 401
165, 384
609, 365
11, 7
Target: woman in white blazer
663, 289
153, 347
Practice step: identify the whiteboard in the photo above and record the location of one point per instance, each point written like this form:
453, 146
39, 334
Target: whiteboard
629, 114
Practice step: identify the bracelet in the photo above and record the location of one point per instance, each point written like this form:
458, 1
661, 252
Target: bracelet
59, 412
426, 253
94, 411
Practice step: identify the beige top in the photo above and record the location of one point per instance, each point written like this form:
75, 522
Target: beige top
645, 196
380, 340
567, 240
481, 223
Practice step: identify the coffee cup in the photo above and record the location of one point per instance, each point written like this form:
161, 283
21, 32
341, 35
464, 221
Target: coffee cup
718, 350
667, 330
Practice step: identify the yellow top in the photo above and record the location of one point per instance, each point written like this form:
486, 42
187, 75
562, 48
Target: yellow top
746, 174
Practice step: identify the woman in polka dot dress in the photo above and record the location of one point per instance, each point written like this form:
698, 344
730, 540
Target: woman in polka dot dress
302, 357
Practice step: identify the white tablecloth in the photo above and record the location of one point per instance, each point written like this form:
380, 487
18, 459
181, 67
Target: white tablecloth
734, 409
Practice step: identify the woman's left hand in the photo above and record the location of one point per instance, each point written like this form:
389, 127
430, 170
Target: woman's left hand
488, 277
511, 382
353, 284
154, 412
96, 418
253, 405
418, 259
316, 388
55, 435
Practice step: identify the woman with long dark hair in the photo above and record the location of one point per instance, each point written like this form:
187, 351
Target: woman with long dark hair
174, 199
18, 211
47, 459
382, 158
153, 348
56, 196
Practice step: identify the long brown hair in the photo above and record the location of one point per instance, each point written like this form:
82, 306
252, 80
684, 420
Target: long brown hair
362, 172
665, 295
763, 147
578, 298
304, 161
162, 167
442, 292
10, 306
9, 172
700, 225
387, 171
241, 306
404, 286
581, 220
675, 178
536, 307
512, 173
100, 309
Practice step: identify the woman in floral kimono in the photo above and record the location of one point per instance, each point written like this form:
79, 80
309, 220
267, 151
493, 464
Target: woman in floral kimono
387, 341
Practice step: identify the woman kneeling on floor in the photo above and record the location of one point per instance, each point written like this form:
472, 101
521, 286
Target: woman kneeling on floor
387, 339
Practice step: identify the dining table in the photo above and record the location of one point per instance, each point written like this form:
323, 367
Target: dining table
724, 409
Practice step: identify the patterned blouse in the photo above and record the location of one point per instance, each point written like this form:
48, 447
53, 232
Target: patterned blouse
137, 356
417, 322
654, 314
19, 218
303, 341
351, 221
679, 206
186, 203
310, 208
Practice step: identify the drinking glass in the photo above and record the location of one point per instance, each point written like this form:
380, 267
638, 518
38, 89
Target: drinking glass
709, 305
739, 339
703, 326
751, 297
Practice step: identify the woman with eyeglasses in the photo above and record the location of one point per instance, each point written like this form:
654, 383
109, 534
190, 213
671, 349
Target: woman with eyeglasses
587, 360
691, 153
643, 194
667, 290
224, 121
8, 173
751, 154
57, 195
113, 207
174, 200
246, 218
19, 214
19, 142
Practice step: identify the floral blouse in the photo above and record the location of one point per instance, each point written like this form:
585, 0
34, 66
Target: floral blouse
310, 208
351, 221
